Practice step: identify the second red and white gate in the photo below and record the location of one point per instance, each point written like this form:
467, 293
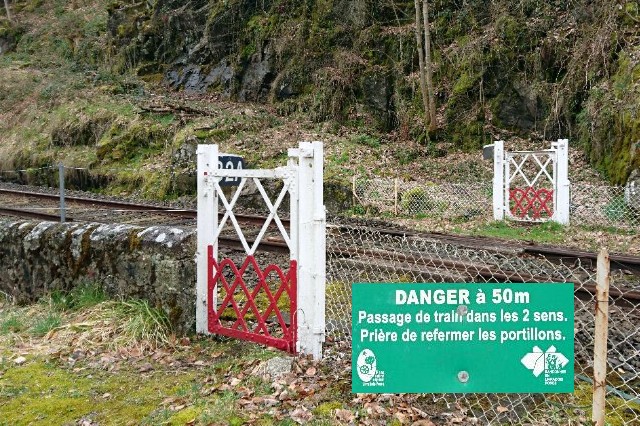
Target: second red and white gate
531, 186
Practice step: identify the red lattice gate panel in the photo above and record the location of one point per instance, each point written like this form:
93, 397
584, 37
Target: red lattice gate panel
250, 302
531, 203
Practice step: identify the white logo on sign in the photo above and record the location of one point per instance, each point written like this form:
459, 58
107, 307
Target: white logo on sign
540, 362
366, 365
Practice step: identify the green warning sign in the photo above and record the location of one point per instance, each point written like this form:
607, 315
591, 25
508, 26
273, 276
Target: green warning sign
462, 338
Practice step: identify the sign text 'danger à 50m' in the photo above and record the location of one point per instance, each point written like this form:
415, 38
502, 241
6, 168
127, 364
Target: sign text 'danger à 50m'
462, 337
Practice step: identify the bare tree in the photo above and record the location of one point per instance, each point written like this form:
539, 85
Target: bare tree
425, 64
428, 66
423, 84
6, 6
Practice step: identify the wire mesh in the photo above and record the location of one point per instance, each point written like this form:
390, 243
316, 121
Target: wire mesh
591, 205
598, 205
361, 254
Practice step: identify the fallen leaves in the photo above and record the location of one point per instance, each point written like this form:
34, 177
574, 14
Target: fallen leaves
176, 403
301, 415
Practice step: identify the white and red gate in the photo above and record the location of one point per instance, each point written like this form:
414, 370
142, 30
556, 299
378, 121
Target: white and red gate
275, 304
531, 186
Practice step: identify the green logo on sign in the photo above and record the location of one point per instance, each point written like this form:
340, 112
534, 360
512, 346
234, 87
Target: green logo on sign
462, 338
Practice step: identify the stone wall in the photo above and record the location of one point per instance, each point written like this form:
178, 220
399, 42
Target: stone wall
155, 263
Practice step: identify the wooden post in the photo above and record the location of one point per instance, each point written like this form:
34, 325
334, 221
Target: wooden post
63, 208
312, 250
6, 6
353, 192
600, 339
395, 196
562, 195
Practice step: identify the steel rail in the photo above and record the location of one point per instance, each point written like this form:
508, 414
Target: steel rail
31, 214
618, 261
471, 269
149, 208
468, 268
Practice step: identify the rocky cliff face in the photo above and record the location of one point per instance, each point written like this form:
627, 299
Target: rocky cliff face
9, 33
540, 69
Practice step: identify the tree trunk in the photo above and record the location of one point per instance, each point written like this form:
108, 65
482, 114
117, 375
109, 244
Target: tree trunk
429, 66
6, 6
423, 84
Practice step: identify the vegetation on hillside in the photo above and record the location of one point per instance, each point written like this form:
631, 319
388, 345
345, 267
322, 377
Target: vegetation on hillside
126, 89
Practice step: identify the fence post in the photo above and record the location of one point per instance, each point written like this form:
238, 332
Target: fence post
498, 180
600, 339
562, 195
353, 192
312, 250
395, 196
63, 207
207, 224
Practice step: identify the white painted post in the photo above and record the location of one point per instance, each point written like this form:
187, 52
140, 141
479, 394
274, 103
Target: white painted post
562, 196
600, 339
498, 180
312, 250
206, 226
320, 243
294, 190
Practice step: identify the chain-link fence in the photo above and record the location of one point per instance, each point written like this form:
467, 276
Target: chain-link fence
360, 254
598, 205
591, 205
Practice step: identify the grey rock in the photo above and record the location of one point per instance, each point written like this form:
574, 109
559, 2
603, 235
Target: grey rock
258, 76
632, 190
221, 77
194, 79
7, 44
274, 367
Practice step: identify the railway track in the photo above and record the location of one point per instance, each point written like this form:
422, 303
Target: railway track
417, 264
90, 213
619, 261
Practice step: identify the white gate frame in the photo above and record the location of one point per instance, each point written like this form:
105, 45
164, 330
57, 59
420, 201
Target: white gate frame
561, 184
307, 235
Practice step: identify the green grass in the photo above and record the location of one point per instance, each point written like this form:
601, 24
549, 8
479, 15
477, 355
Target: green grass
608, 229
547, 232
49, 394
11, 324
141, 322
80, 297
45, 324
366, 140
